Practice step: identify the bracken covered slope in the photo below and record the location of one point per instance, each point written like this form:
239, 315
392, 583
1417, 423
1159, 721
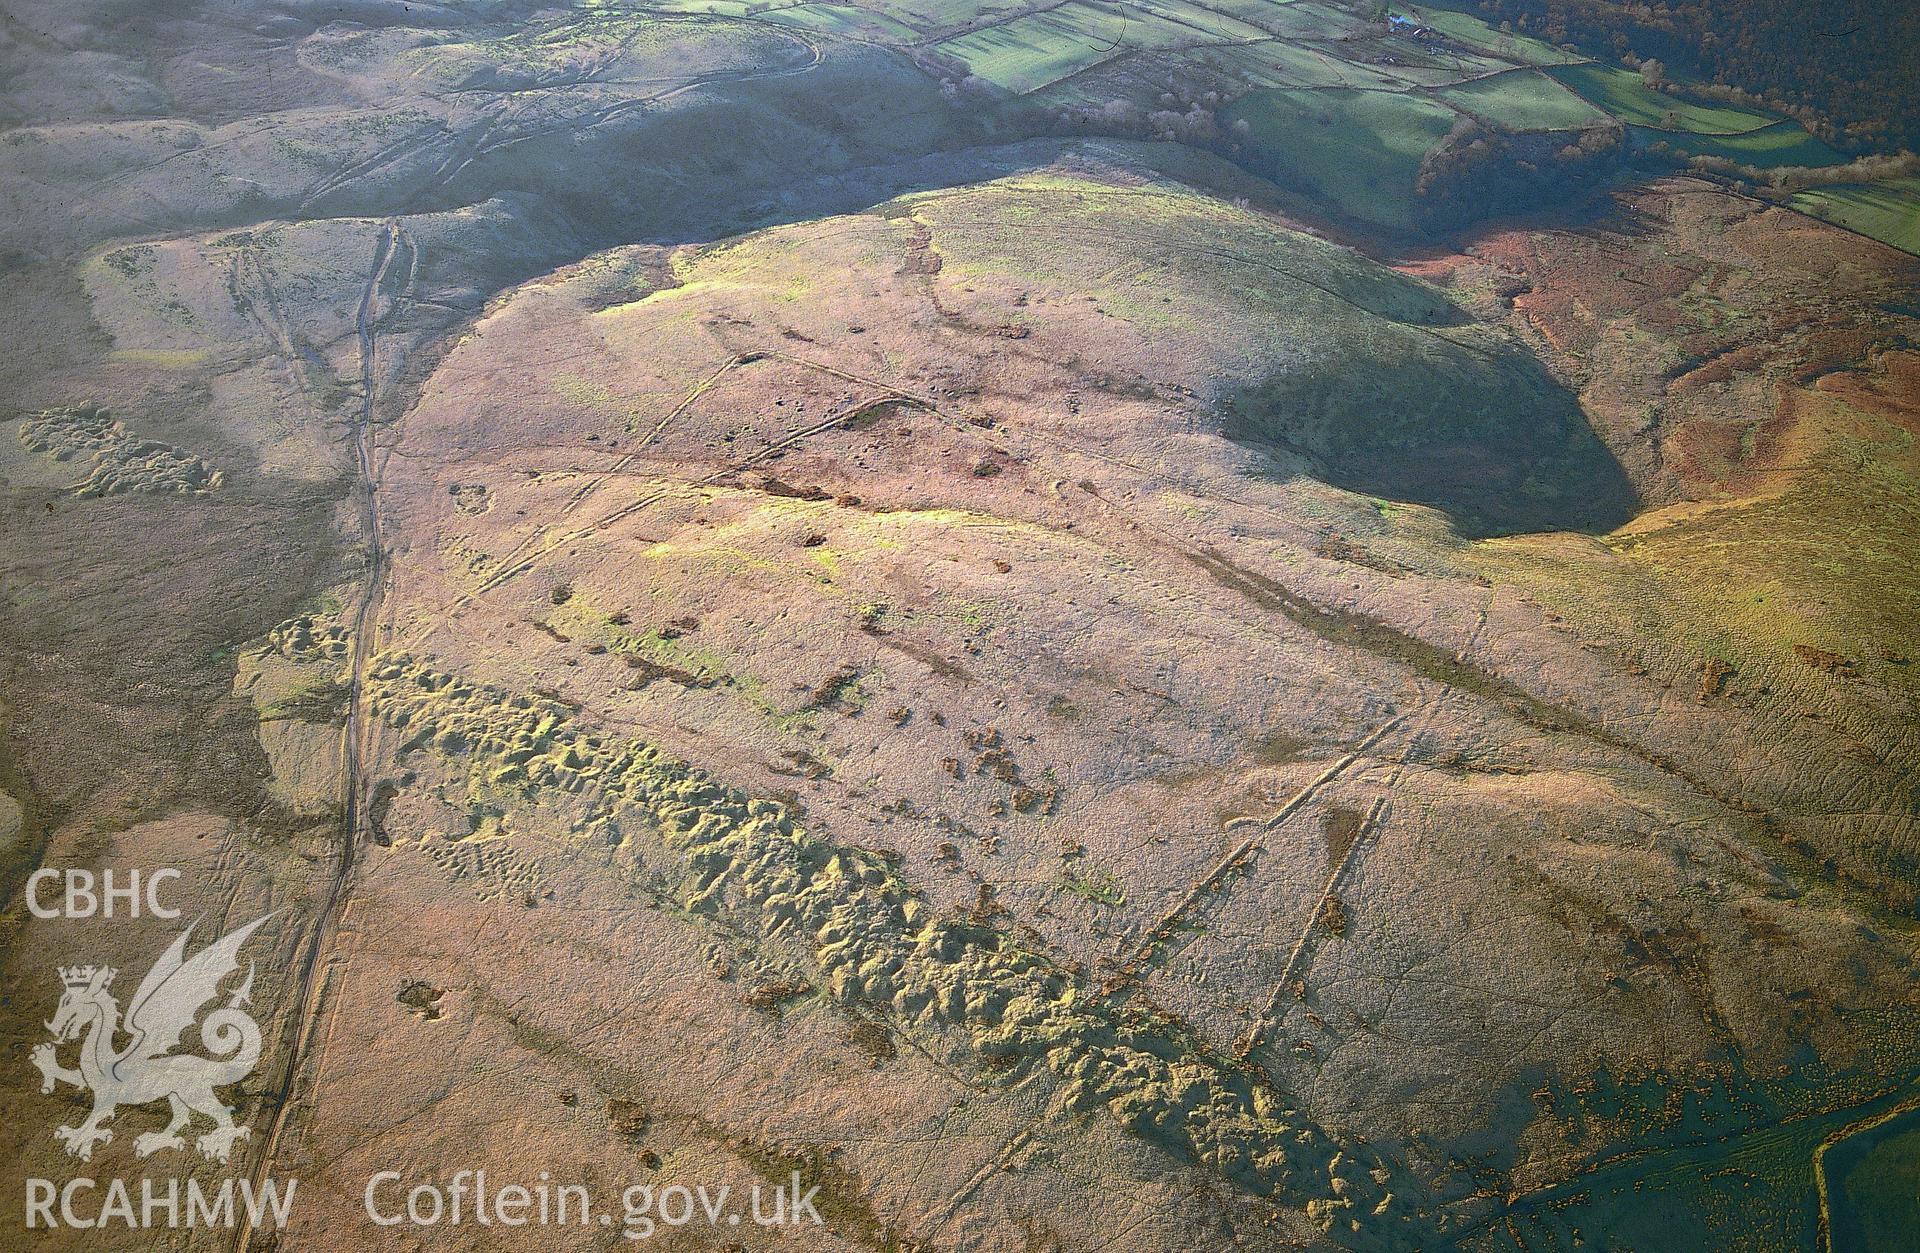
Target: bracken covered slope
749, 613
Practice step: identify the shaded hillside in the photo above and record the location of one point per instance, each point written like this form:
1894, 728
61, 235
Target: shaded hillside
1489, 437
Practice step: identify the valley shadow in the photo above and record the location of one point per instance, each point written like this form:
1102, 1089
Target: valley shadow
1482, 433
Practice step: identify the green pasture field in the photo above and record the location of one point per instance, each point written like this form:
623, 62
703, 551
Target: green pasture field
1359, 149
1206, 21
931, 15
1875, 1188
1300, 20
1782, 144
1259, 12
1334, 105
718, 8
1422, 65
1278, 63
843, 19
1030, 52
1475, 33
892, 21
1626, 95
1888, 212
1523, 100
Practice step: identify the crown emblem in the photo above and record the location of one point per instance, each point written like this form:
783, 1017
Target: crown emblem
82, 976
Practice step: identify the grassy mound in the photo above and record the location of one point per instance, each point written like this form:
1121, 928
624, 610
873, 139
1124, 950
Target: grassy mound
1368, 377
1312, 355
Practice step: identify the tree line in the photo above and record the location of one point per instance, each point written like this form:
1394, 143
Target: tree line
1848, 70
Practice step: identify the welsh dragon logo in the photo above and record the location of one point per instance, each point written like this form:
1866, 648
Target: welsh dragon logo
166, 1004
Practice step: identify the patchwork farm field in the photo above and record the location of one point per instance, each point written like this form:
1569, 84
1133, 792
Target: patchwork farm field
1523, 100
1472, 32
1887, 211
1192, 626
1359, 149
1126, 65
1627, 96
1783, 143
1029, 53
